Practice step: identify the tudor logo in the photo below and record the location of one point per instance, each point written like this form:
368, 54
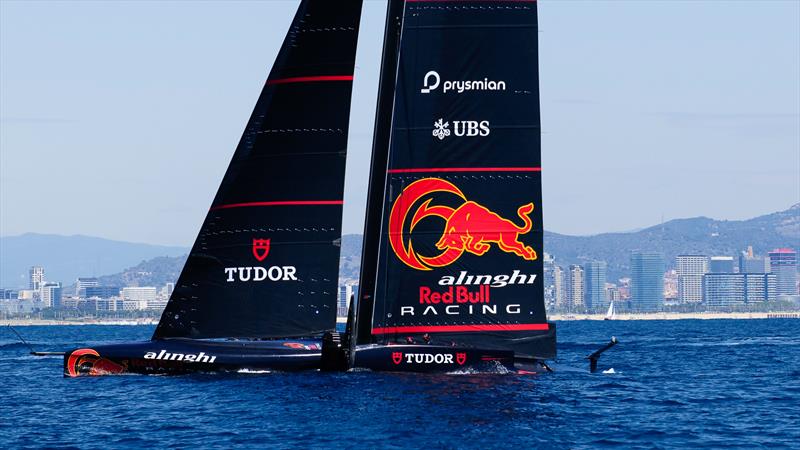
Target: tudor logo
461, 128
260, 249
432, 80
428, 358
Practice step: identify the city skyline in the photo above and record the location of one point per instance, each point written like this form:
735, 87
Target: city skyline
649, 129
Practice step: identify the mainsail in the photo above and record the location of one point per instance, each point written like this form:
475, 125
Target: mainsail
454, 256
265, 263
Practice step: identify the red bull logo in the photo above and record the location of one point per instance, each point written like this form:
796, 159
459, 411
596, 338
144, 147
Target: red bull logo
470, 227
87, 361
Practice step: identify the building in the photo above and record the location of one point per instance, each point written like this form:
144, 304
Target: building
559, 288
102, 291
721, 264
595, 286
725, 290
576, 289
749, 263
8, 294
759, 287
35, 278
647, 281
83, 283
143, 294
158, 304
50, 294
168, 288
783, 263
549, 264
690, 269
346, 291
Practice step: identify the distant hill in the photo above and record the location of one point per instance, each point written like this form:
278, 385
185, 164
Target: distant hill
65, 258
699, 235
154, 272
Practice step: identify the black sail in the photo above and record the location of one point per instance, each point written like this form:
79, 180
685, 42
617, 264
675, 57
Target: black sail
265, 263
459, 254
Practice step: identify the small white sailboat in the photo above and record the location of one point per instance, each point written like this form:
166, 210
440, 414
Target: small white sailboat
610, 315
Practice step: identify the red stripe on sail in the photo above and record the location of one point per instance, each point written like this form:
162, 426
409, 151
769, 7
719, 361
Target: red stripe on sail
281, 203
466, 169
463, 328
310, 79
466, 1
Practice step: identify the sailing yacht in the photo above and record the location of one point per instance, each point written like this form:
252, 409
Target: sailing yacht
610, 313
451, 277
258, 290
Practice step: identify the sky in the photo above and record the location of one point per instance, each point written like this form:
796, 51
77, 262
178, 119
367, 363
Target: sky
118, 119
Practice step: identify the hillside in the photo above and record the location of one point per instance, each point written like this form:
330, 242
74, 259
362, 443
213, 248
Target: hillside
65, 258
696, 235
681, 236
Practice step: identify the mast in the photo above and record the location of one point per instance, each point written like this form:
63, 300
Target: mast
460, 228
377, 176
265, 263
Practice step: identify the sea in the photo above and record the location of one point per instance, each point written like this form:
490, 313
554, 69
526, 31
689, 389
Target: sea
667, 384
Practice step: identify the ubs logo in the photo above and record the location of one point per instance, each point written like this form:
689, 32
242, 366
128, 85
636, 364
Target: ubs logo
461, 128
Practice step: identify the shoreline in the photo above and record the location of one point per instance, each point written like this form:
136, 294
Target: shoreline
51, 322
551, 317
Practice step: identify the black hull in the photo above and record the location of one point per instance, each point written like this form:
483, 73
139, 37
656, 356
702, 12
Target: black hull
181, 356
443, 359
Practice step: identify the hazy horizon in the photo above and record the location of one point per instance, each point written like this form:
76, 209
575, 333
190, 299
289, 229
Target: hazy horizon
117, 120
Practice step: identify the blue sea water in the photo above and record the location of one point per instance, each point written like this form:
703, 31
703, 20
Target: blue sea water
676, 384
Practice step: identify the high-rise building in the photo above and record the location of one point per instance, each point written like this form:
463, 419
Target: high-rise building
575, 286
345, 292
83, 283
647, 281
595, 286
168, 288
783, 263
721, 264
50, 294
549, 264
750, 263
559, 288
35, 278
691, 269
722, 290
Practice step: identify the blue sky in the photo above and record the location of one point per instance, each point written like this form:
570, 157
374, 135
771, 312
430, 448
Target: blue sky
117, 119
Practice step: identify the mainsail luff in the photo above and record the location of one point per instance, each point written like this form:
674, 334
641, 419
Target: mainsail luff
265, 263
461, 225
377, 176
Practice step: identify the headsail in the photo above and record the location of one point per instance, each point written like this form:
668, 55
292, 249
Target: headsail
265, 263
458, 257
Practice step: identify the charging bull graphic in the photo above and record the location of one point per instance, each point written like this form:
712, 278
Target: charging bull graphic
470, 227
